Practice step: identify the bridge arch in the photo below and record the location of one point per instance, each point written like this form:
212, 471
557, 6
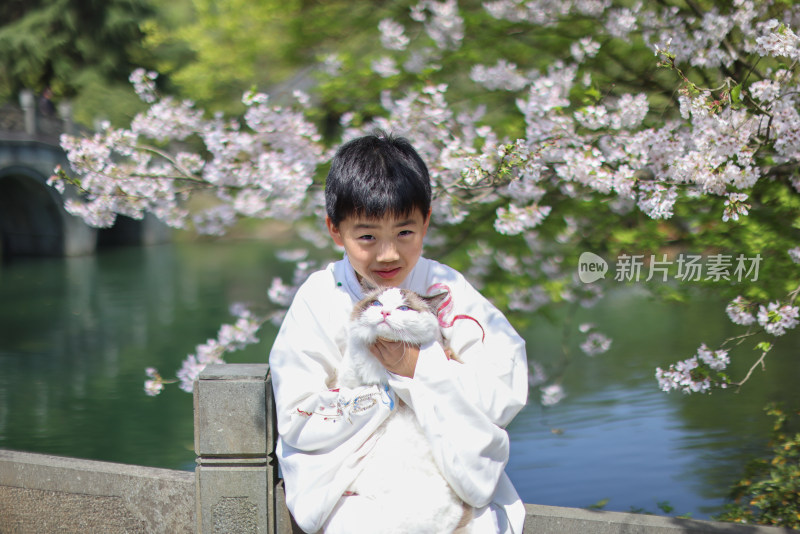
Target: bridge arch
31, 223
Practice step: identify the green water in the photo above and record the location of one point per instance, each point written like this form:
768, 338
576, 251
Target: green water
77, 333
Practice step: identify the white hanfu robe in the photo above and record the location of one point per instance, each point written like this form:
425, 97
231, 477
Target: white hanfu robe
463, 408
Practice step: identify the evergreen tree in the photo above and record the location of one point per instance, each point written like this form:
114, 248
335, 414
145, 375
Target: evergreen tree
70, 45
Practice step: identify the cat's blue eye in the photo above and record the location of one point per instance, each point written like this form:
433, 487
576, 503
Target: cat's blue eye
403, 308
376, 303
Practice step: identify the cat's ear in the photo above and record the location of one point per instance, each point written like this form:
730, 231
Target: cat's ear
434, 302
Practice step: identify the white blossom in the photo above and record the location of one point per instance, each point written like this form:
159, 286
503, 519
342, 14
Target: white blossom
442, 22
514, 219
738, 311
153, 387
657, 201
607, 146
679, 377
385, 67
735, 206
393, 35
503, 75
552, 394
583, 48
536, 375
595, 343
688, 377
717, 360
776, 319
144, 83
331, 64
229, 338
778, 40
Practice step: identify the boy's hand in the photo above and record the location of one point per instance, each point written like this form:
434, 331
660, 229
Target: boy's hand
397, 357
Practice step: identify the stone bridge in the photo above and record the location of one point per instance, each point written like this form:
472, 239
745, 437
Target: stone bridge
236, 486
33, 221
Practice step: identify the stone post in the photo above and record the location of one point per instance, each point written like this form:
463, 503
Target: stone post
27, 102
65, 113
233, 440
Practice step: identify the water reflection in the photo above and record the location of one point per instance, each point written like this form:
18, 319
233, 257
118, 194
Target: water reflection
76, 334
616, 437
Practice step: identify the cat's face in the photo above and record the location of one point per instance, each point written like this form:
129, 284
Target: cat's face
398, 315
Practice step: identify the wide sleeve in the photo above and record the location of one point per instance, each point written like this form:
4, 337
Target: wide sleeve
323, 430
464, 407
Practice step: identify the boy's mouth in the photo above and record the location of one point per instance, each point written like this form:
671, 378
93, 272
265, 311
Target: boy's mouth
390, 273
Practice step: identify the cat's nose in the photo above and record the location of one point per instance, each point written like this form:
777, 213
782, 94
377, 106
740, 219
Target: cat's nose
385, 313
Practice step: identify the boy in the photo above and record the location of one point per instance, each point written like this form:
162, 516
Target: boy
378, 199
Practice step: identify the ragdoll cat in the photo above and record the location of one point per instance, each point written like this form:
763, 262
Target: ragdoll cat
400, 486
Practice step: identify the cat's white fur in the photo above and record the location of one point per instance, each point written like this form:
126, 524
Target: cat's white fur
359, 367
400, 488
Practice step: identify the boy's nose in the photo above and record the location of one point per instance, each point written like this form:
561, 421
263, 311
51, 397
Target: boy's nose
388, 253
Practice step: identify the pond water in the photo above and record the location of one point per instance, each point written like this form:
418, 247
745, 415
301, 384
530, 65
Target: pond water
77, 333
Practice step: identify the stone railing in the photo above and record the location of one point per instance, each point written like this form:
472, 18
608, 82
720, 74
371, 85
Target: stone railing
28, 122
235, 487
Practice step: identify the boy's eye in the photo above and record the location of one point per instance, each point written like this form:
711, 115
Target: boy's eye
366, 237
406, 232
403, 308
376, 303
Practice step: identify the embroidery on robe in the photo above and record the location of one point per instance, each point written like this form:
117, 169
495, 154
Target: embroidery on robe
343, 408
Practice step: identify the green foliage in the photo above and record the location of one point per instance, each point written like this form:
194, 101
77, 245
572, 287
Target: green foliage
599, 505
215, 50
620, 67
769, 492
68, 44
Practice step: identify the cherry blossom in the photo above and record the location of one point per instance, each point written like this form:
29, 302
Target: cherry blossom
392, 35
580, 140
680, 377
595, 343
262, 168
776, 319
552, 394
738, 311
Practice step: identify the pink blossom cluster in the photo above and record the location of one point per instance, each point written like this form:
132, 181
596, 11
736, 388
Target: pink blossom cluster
230, 338
595, 342
693, 375
552, 394
624, 148
442, 21
260, 168
393, 35
776, 319
604, 147
739, 311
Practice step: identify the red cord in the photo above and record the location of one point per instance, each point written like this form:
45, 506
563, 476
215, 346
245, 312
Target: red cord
445, 307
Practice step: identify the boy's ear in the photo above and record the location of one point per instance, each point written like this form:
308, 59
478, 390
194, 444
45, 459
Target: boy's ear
334, 231
426, 221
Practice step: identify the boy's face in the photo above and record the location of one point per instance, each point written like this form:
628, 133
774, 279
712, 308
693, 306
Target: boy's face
382, 250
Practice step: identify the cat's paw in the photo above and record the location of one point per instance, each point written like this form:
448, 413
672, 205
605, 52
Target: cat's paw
347, 377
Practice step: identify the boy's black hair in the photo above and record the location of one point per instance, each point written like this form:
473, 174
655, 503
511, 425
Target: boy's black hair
374, 175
